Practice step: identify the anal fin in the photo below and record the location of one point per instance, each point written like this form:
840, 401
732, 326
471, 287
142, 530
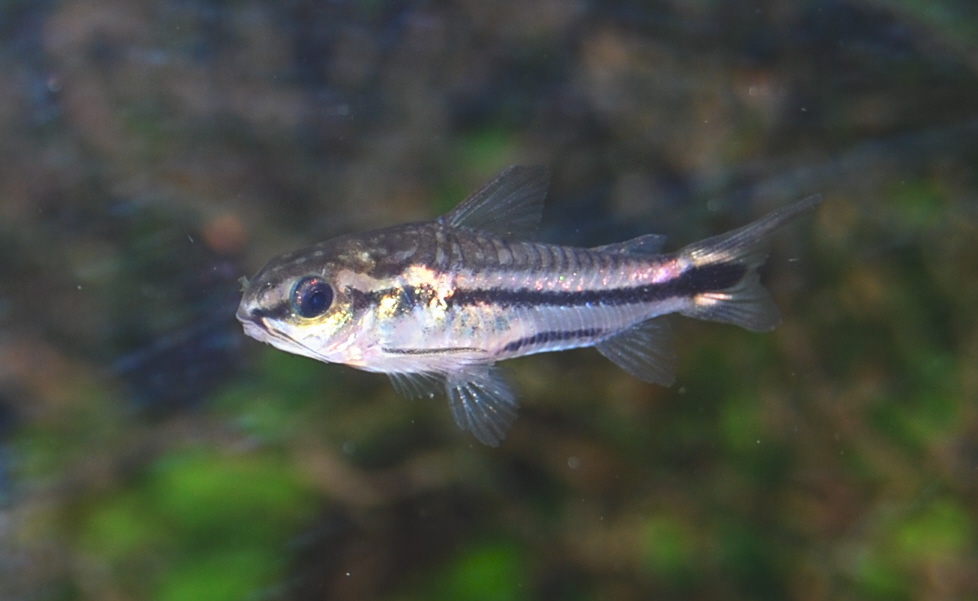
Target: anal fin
643, 351
482, 402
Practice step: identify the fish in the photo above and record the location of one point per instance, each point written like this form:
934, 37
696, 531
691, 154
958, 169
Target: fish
436, 305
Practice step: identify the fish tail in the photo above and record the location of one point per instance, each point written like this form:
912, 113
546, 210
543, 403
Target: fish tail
730, 262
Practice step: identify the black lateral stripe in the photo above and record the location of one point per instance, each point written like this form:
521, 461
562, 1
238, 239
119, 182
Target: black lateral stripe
697, 280
551, 336
409, 296
362, 299
280, 311
429, 351
713, 277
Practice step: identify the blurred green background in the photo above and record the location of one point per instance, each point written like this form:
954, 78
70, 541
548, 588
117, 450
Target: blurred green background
152, 153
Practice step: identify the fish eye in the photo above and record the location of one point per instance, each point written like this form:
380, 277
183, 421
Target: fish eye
311, 297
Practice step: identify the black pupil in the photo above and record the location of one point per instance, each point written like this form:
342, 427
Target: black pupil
312, 297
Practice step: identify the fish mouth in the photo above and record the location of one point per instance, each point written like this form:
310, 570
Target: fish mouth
249, 316
256, 330
255, 323
256, 326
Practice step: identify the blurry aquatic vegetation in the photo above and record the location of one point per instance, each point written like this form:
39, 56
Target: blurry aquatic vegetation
8, 421
173, 294
153, 153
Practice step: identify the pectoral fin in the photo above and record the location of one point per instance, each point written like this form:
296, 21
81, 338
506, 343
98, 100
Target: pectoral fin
482, 402
418, 385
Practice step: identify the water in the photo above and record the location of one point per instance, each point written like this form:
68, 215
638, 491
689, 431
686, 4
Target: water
154, 153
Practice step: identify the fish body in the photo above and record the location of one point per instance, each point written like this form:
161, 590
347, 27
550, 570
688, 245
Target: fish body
435, 305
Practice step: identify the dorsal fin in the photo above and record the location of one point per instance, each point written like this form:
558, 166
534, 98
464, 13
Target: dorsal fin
509, 205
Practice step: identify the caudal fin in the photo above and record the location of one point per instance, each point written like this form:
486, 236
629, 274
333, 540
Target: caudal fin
746, 303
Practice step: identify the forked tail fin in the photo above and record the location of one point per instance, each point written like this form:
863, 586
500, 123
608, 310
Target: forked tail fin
746, 303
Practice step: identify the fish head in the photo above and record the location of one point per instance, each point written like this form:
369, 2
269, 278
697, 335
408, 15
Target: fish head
304, 302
